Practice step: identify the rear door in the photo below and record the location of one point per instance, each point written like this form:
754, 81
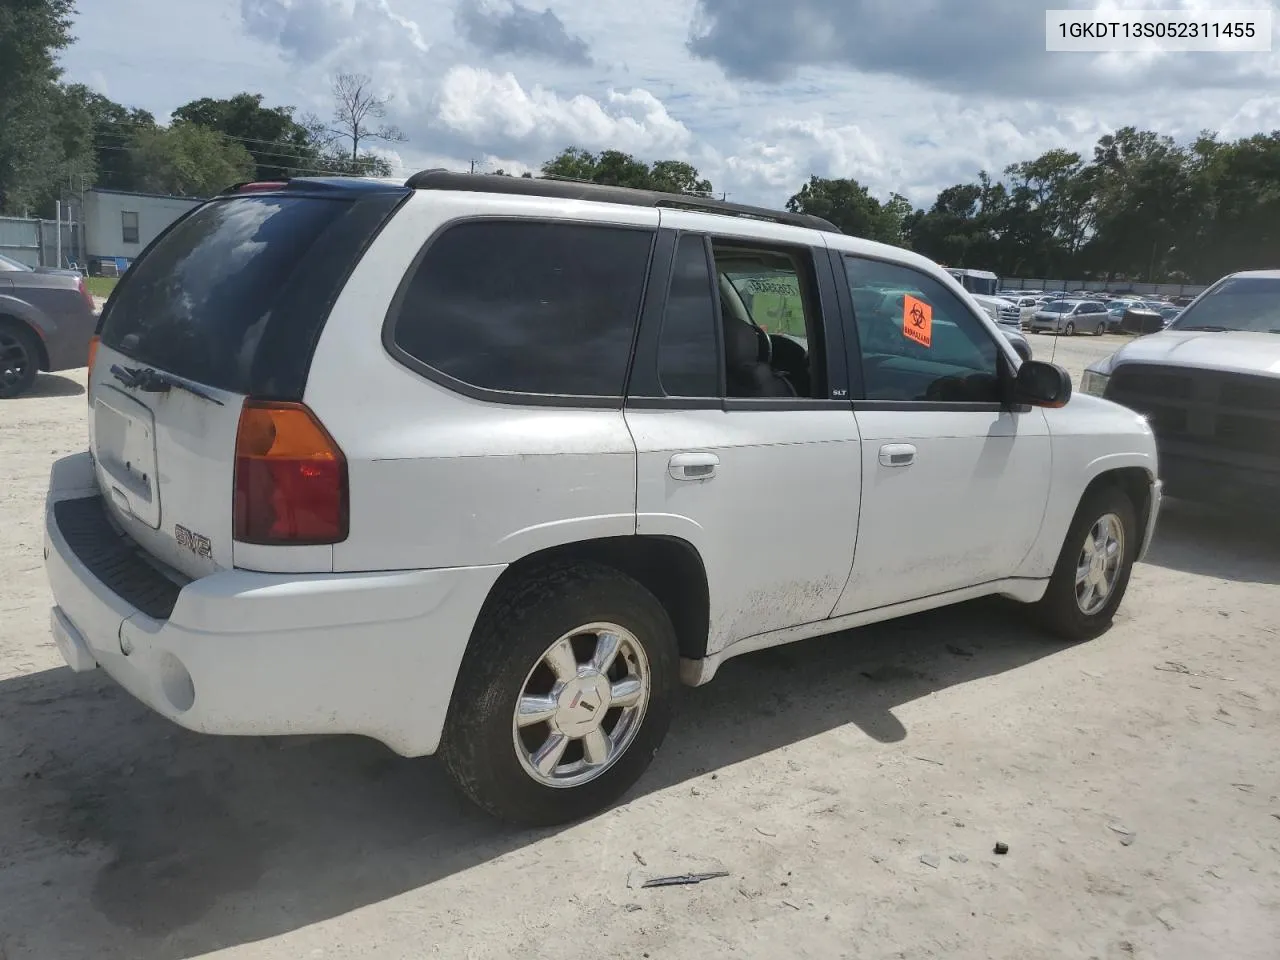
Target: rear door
754, 463
226, 304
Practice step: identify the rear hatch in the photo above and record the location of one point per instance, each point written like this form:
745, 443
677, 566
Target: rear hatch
225, 306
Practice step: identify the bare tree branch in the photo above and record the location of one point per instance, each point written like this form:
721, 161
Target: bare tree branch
357, 108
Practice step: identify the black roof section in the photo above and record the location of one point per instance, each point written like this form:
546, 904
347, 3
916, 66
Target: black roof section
600, 193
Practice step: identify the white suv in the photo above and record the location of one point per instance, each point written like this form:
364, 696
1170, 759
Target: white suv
487, 466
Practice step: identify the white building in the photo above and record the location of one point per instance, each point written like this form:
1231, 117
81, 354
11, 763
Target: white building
118, 224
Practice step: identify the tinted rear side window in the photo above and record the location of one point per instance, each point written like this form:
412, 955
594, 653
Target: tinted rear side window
535, 308
235, 294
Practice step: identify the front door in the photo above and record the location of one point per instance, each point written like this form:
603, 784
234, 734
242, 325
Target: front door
743, 451
955, 481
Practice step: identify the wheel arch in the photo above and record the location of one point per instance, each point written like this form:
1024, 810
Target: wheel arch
668, 567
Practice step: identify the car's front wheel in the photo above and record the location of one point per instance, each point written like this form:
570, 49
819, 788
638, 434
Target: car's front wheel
1069, 329
1093, 569
564, 695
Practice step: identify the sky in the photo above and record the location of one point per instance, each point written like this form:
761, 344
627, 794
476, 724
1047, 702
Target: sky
909, 96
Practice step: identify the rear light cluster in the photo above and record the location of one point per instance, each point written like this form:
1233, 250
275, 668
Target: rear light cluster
290, 477
84, 292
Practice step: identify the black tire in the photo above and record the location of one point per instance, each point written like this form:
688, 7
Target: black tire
514, 631
1102, 328
1070, 329
1058, 610
19, 359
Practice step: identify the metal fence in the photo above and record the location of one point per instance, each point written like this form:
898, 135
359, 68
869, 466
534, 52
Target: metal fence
1115, 286
35, 242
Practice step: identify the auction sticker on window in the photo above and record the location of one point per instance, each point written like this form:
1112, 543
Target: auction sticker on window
917, 321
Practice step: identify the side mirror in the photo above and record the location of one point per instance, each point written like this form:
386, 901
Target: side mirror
1042, 384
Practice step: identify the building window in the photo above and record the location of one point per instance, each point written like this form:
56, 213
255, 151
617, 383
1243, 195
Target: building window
129, 226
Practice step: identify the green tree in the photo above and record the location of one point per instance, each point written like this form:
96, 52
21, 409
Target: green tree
615, 168
281, 147
676, 176
571, 163
188, 160
850, 206
113, 128
32, 150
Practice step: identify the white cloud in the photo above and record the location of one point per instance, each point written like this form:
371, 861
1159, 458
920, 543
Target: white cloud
979, 92
482, 106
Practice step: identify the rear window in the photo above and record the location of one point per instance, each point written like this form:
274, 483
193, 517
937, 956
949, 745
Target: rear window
234, 295
525, 307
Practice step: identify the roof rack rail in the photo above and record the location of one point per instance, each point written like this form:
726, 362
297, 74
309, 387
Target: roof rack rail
567, 189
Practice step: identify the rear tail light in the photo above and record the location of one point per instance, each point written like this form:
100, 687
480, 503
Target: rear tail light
84, 292
290, 477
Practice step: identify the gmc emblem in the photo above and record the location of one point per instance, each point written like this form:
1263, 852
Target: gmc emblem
197, 543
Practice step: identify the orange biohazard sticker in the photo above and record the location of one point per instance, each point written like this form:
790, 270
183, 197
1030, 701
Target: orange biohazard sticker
917, 321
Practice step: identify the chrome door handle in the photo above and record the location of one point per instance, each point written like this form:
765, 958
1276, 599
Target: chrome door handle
693, 466
897, 455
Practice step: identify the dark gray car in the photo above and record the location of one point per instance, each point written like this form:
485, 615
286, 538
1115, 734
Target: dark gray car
46, 322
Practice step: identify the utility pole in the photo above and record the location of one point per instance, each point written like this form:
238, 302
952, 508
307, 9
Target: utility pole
473, 165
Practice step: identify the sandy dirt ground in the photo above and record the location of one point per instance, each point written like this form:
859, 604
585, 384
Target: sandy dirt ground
853, 787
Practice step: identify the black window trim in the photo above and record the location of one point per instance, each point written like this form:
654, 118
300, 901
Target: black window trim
645, 391
514, 397
854, 352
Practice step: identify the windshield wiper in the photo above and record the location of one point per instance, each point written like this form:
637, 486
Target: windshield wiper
1208, 328
150, 380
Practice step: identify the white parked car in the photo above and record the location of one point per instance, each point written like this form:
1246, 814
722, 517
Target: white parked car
486, 466
1209, 384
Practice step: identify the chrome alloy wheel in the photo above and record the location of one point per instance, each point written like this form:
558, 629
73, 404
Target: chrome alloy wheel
1099, 563
581, 705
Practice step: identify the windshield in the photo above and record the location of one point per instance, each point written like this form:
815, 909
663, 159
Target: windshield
1058, 306
1245, 304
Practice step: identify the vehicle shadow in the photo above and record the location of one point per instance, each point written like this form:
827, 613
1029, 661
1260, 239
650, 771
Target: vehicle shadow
52, 385
1217, 542
186, 844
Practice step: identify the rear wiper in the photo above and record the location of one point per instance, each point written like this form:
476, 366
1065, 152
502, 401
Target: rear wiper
150, 380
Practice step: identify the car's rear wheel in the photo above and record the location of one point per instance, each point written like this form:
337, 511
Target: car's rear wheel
19, 359
1094, 566
1069, 329
1102, 328
564, 695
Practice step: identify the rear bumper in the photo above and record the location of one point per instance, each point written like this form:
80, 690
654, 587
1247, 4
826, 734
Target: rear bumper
248, 653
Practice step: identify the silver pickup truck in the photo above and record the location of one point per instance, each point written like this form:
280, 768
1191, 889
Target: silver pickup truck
1209, 385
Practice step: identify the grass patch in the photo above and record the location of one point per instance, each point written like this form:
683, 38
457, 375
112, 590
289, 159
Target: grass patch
101, 286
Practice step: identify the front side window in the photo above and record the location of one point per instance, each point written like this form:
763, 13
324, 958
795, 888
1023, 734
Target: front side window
527, 307
917, 340
129, 226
